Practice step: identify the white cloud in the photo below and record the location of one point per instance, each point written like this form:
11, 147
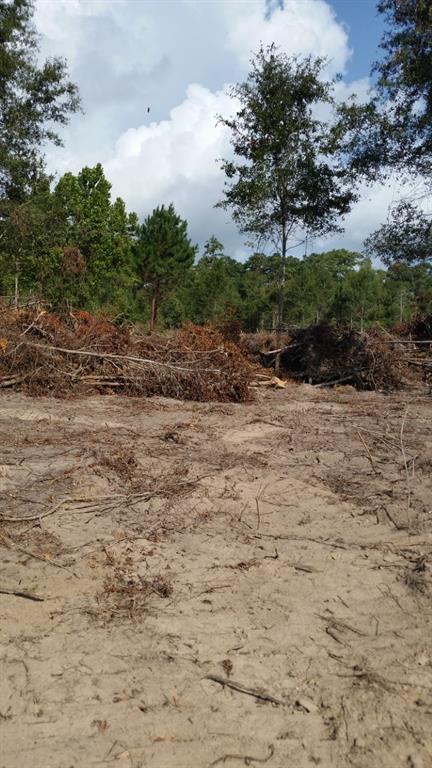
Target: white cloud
366, 216
179, 155
300, 27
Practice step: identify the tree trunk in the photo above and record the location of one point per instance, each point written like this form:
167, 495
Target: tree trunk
154, 308
282, 288
275, 316
16, 296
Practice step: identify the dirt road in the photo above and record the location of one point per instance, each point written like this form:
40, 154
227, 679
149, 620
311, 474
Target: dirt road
222, 585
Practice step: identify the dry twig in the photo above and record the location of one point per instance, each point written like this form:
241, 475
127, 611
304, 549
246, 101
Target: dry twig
242, 689
368, 453
405, 463
7, 519
247, 759
22, 593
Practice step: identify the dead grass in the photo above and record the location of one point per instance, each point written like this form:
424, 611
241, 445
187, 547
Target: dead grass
125, 595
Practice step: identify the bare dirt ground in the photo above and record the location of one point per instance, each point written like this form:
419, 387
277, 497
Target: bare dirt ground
222, 584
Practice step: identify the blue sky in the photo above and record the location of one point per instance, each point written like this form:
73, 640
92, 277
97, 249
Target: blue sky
365, 27
179, 57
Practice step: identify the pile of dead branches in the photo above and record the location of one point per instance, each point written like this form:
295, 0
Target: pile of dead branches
326, 355
41, 353
415, 336
258, 346
419, 328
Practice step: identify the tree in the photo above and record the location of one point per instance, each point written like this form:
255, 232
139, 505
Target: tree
102, 231
405, 81
213, 288
363, 293
286, 178
28, 235
262, 289
405, 238
409, 289
323, 277
163, 254
34, 98
393, 130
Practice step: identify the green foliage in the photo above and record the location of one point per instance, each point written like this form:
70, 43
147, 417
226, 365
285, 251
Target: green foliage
405, 81
405, 238
34, 98
336, 286
212, 290
101, 231
71, 245
28, 236
409, 289
262, 291
285, 177
163, 254
324, 278
393, 131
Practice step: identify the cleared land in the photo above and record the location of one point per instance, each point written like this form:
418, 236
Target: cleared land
222, 584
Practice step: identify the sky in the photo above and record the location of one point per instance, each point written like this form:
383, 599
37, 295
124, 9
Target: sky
178, 57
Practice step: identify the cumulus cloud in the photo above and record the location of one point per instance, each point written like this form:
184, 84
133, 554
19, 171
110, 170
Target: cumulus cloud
176, 160
366, 216
176, 60
298, 27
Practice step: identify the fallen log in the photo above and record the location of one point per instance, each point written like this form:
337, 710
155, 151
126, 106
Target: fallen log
12, 381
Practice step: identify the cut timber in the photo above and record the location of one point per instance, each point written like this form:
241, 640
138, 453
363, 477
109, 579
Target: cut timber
278, 383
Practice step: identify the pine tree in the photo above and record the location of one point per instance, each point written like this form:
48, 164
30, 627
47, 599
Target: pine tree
163, 255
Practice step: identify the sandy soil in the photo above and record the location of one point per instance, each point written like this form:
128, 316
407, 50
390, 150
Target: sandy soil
223, 585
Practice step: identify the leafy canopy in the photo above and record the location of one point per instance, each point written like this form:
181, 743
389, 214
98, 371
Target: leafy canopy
393, 131
405, 238
285, 176
101, 230
405, 80
34, 98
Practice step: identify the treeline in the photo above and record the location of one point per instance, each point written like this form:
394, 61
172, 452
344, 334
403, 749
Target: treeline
73, 246
336, 286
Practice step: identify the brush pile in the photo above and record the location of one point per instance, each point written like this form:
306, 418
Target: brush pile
258, 346
325, 355
417, 338
41, 353
419, 328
